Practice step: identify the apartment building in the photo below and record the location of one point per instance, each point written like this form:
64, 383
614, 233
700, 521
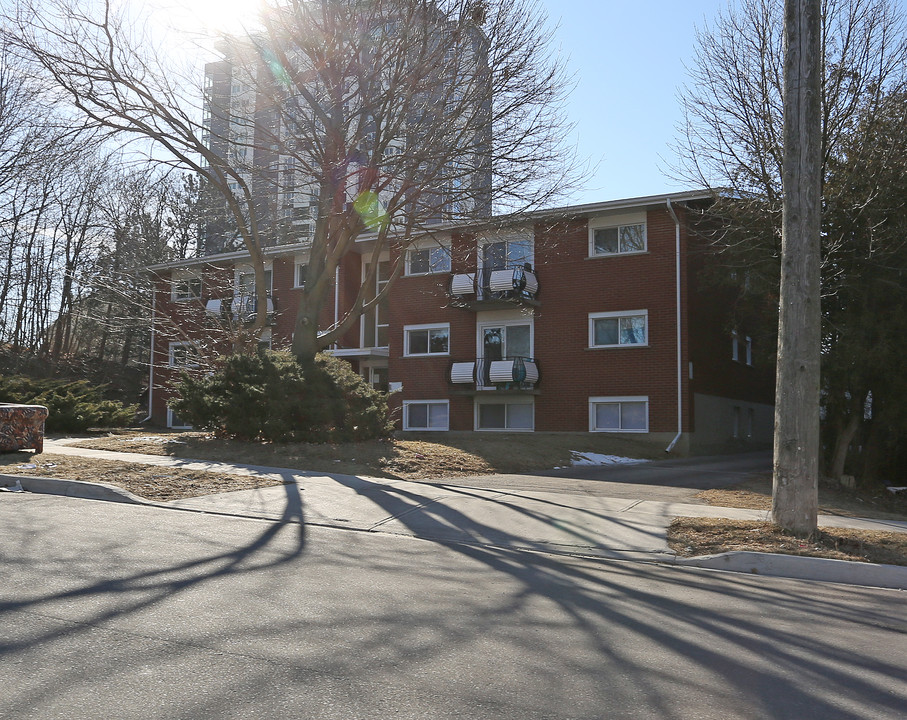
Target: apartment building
387, 138
591, 318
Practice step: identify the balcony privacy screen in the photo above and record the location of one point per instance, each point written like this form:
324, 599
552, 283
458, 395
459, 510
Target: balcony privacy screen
463, 372
463, 284
502, 371
532, 372
500, 281
532, 282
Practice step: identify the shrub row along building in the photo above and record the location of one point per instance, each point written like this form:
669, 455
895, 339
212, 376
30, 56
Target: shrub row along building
591, 318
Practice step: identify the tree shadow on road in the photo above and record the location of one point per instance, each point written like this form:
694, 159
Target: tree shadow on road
696, 632
375, 609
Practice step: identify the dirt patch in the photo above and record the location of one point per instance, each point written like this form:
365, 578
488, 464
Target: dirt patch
871, 502
689, 537
148, 481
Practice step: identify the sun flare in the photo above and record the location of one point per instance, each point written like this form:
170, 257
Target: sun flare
206, 17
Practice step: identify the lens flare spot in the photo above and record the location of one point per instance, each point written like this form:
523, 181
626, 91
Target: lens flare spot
370, 209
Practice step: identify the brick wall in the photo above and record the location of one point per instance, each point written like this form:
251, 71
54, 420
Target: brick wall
572, 285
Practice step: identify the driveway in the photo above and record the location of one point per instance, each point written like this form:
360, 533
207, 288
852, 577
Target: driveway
673, 480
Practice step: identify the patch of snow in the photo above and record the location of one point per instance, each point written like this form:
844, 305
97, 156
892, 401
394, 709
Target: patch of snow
151, 439
588, 458
895, 490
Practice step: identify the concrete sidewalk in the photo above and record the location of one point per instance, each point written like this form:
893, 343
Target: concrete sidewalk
538, 521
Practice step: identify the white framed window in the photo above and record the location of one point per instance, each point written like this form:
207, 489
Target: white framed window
426, 414
505, 339
511, 415
245, 281
375, 323
501, 253
183, 355
426, 340
619, 414
618, 235
749, 350
375, 375
735, 346
185, 286
428, 260
175, 422
618, 329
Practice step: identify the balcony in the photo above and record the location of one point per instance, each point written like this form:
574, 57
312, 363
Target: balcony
489, 375
241, 310
489, 289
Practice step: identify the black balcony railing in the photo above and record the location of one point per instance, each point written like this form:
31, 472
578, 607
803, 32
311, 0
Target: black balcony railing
509, 373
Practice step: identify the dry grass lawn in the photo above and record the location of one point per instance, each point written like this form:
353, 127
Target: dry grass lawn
151, 482
458, 455
872, 502
689, 537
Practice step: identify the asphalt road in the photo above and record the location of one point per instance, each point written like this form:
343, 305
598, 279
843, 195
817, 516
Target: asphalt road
123, 611
670, 480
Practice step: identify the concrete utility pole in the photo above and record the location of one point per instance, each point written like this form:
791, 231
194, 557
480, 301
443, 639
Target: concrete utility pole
796, 457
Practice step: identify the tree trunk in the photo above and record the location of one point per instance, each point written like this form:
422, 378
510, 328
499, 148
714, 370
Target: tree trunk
127, 347
305, 335
842, 444
796, 452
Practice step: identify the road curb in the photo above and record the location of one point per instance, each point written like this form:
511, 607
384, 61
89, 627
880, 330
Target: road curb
72, 488
799, 567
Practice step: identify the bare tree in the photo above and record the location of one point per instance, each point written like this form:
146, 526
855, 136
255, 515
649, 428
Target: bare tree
184, 219
24, 196
79, 233
732, 140
136, 224
392, 115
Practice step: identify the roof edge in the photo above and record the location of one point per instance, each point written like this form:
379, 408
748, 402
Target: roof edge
569, 211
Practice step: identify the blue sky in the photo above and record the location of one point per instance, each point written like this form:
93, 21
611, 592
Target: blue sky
628, 61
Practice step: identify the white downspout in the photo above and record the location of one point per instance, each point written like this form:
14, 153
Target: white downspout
151, 359
670, 447
336, 297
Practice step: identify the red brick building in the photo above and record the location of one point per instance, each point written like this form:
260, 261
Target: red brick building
591, 318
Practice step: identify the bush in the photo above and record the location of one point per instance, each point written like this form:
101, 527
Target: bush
270, 396
72, 405
124, 383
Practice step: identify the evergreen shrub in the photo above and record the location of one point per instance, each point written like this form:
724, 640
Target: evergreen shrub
271, 396
72, 405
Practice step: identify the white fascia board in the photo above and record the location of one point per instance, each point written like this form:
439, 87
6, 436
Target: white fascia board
365, 239
624, 203
230, 257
